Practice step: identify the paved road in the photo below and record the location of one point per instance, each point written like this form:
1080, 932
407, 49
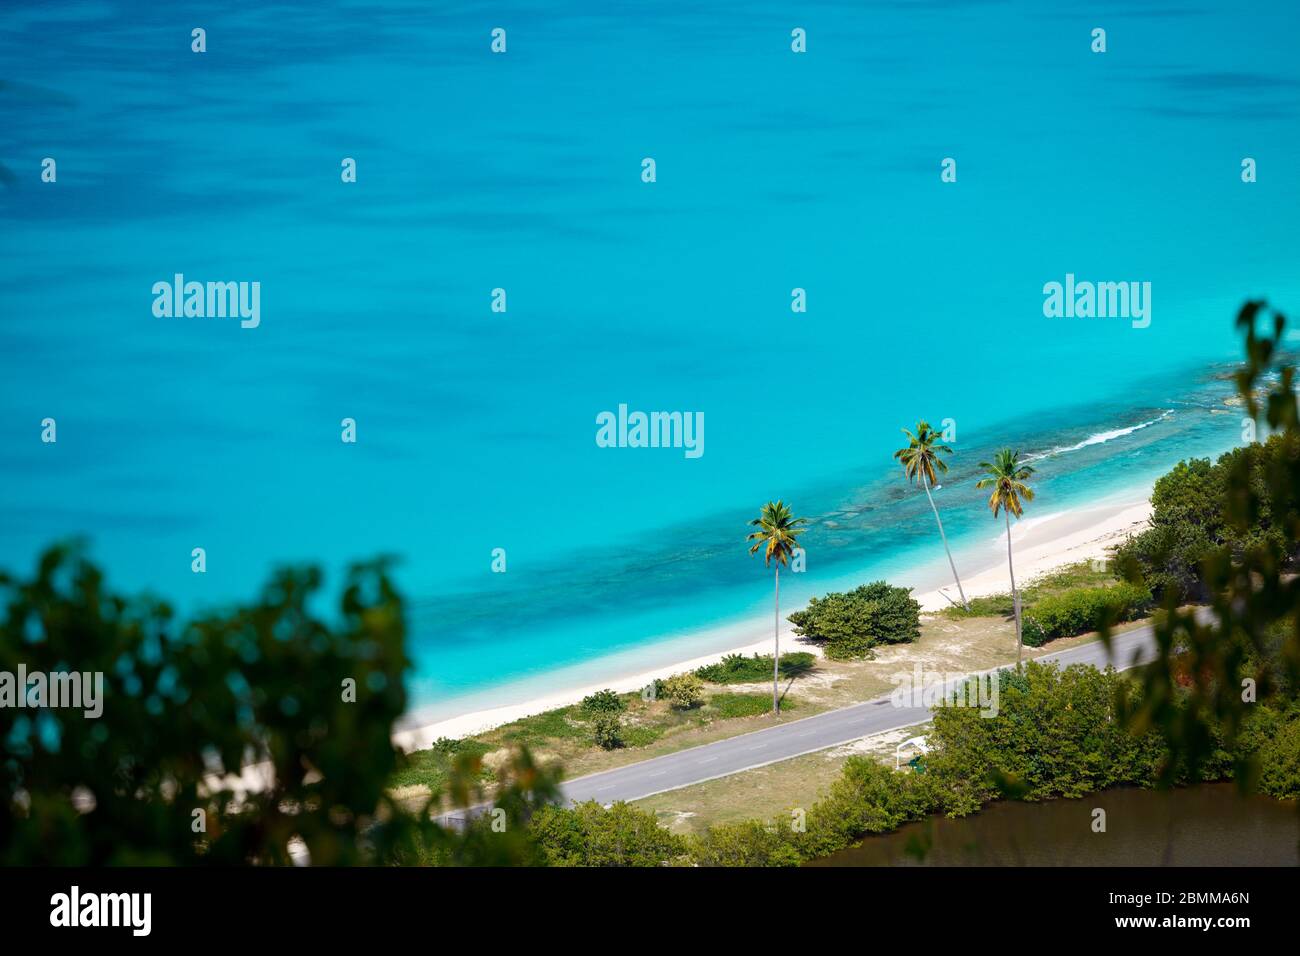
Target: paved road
810, 734
829, 729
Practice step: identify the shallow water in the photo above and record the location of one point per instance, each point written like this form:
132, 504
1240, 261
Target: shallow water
1207, 825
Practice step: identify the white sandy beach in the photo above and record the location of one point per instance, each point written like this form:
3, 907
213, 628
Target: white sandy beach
1041, 544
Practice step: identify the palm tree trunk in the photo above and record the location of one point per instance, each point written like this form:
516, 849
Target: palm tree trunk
1015, 595
926, 482
776, 641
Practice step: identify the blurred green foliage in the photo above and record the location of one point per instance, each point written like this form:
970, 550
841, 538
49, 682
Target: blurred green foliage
300, 706
1217, 664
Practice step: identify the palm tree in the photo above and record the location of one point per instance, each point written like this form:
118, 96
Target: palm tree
776, 534
1007, 476
921, 460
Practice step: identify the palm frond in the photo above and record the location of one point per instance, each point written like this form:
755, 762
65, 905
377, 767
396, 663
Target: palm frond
778, 532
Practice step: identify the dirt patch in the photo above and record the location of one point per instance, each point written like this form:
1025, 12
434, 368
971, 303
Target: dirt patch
764, 793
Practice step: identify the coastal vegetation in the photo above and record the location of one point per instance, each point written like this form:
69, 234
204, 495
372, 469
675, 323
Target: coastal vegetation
585, 739
739, 669
1081, 610
849, 625
432, 767
1195, 687
604, 702
1077, 599
590, 835
607, 730
684, 691
1058, 735
1192, 519
1081, 574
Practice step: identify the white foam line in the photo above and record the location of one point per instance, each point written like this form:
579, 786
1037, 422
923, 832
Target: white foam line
1101, 438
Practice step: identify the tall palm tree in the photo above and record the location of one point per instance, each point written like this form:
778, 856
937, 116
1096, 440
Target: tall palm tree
776, 534
1007, 477
921, 462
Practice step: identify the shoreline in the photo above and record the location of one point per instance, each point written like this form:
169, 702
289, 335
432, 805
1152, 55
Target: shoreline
1042, 543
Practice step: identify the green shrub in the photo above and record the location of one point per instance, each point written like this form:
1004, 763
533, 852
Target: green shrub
746, 705
590, 835
604, 702
1055, 734
1081, 574
739, 669
1190, 517
684, 691
868, 797
1166, 557
851, 624
989, 605
607, 729
795, 664
432, 768
1279, 755
748, 843
641, 735
1082, 610
539, 729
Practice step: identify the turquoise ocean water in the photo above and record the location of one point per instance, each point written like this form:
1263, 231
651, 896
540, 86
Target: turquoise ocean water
522, 171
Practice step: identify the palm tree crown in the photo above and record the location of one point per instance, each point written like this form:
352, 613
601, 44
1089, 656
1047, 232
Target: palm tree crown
920, 458
777, 531
1007, 477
